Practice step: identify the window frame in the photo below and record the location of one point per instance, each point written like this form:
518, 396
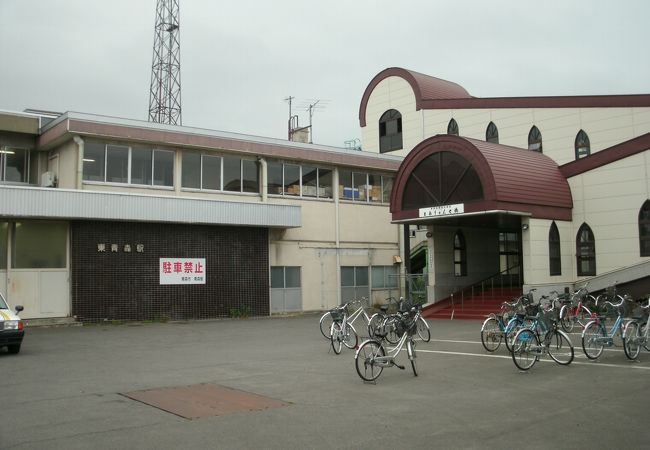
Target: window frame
460, 254
390, 131
452, 127
554, 251
5, 151
586, 251
492, 133
644, 229
582, 145
535, 139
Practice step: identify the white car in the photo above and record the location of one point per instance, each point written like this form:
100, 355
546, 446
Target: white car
12, 329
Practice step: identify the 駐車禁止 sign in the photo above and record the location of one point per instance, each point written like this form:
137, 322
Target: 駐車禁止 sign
182, 270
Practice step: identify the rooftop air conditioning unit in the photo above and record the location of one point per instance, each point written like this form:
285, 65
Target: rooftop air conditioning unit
48, 179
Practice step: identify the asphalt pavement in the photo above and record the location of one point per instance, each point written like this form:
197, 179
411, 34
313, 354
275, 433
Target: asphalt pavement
64, 390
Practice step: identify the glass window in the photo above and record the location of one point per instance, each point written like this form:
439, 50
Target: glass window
460, 255
644, 229
386, 189
94, 160
384, 277
14, 164
292, 277
509, 253
360, 182
582, 146
345, 184
4, 233
324, 183
492, 133
191, 172
347, 276
211, 172
309, 181
163, 168
554, 255
452, 127
277, 277
39, 245
535, 140
586, 251
231, 174
390, 131
291, 179
141, 165
274, 175
250, 176
117, 164
374, 188
361, 276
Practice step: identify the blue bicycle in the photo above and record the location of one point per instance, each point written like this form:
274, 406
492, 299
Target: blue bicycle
595, 336
503, 326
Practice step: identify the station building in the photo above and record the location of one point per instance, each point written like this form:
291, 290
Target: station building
105, 218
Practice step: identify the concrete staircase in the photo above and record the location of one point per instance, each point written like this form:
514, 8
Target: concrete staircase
471, 307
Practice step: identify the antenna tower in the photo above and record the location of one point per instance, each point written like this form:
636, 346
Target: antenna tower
165, 90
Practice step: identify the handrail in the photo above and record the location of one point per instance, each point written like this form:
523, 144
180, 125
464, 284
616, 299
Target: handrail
482, 285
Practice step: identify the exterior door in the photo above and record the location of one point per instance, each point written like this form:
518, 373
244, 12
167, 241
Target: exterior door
510, 258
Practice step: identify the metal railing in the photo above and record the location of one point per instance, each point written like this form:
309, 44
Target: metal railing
507, 278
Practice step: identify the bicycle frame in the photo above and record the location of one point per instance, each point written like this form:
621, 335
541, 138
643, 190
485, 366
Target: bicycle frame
389, 359
608, 339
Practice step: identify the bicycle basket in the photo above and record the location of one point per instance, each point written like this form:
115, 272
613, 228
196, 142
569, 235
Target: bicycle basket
337, 314
548, 317
532, 309
406, 324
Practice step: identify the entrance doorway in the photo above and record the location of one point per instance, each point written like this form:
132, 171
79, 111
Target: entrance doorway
510, 258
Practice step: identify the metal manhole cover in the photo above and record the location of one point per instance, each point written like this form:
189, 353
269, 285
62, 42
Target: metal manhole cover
203, 400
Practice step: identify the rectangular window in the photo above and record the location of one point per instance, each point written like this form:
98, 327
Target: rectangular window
141, 166
94, 161
384, 277
191, 173
386, 189
285, 277
117, 164
291, 179
324, 183
374, 188
163, 168
274, 175
309, 181
14, 165
231, 174
39, 245
345, 185
360, 183
250, 176
211, 172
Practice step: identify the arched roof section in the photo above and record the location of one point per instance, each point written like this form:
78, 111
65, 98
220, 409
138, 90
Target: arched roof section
512, 180
425, 87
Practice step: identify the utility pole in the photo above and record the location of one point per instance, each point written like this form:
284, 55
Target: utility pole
165, 89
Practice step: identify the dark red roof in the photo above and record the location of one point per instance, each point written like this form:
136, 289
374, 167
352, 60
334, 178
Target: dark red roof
434, 93
513, 179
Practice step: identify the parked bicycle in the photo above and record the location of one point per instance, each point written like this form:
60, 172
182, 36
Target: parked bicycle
326, 319
576, 309
342, 331
542, 337
636, 333
595, 335
385, 324
497, 326
373, 356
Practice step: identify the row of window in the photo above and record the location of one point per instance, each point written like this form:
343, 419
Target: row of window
390, 135
383, 277
108, 163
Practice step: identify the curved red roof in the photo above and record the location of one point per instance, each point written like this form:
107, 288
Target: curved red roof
513, 179
424, 86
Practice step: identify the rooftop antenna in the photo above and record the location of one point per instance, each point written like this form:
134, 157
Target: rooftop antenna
165, 90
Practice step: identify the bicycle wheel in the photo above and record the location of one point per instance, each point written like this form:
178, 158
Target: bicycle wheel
631, 340
566, 318
491, 334
524, 349
336, 337
410, 350
351, 338
592, 343
364, 360
423, 329
390, 328
584, 315
515, 324
374, 324
643, 332
326, 325
560, 348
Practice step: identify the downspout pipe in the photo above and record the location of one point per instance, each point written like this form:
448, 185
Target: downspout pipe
80, 160
264, 178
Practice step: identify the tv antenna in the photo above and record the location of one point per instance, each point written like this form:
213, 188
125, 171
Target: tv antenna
310, 106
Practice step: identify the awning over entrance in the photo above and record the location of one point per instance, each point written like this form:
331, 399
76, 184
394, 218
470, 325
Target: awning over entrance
447, 176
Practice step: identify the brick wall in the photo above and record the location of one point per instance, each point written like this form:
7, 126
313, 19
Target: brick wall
125, 285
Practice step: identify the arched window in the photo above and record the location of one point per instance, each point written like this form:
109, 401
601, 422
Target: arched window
452, 128
586, 251
582, 145
492, 133
554, 255
460, 255
390, 131
644, 229
535, 139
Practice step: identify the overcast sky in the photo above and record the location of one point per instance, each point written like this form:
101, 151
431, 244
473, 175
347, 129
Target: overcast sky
240, 59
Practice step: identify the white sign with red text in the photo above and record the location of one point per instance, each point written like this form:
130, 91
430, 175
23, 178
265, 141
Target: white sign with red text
182, 270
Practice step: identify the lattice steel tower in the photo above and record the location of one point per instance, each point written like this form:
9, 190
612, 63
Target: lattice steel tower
165, 91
